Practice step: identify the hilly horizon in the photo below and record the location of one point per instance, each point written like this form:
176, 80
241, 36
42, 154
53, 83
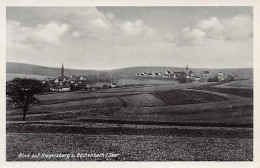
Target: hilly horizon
13, 68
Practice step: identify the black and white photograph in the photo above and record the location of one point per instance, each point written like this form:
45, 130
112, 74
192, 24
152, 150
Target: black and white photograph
129, 83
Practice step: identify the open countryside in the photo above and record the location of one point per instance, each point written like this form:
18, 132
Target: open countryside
138, 118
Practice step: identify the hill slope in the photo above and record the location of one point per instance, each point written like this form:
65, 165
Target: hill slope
27, 69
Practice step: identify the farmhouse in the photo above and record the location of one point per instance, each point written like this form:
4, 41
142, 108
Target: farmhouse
155, 74
196, 78
206, 73
221, 76
60, 88
144, 74
177, 74
167, 73
113, 85
81, 79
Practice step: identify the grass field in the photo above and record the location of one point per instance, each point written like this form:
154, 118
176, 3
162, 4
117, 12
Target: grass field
142, 122
176, 97
142, 100
239, 91
246, 84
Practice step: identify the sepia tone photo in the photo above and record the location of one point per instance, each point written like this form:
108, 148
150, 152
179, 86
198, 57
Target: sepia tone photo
121, 83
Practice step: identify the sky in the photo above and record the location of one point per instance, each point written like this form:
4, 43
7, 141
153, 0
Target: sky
104, 38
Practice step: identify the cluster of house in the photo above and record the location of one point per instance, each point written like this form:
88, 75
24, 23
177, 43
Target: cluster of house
175, 75
72, 82
187, 73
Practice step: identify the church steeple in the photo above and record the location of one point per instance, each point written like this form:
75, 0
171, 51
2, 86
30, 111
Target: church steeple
62, 71
187, 70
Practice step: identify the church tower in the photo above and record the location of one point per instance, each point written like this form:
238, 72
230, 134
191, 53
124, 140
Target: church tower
62, 71
187, 69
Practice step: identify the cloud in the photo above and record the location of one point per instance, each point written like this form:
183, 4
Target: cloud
99, 23
49, 33
91, 25
234, 28
122, 39
75, 34
88, 25
212, 23
190, 37
132, 28
21, 36
239, 27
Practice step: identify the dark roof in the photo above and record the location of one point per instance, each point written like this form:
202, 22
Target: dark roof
206, 72
61, 78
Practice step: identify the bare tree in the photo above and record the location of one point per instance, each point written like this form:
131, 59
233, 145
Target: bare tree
20, 93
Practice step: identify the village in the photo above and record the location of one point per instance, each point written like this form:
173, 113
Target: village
80, 82
73, 83
189, 76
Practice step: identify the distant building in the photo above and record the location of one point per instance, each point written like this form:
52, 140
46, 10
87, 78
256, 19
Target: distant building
62, 78
113, 85
206, 73
221, 76
60, 88
187, 70
167, 73
155, 74
196, 78
72, 79
144, 74
177, 74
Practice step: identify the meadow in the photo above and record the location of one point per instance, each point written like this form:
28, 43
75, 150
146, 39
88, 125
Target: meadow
246, 84
144, 122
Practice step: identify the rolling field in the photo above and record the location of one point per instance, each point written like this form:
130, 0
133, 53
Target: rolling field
227, 88
246, 84
142, 100
176, 97
191, 121
10, 76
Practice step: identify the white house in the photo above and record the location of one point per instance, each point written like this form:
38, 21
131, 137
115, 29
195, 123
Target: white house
113, 85
221, 76
167, 73
196, 78
155, 74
